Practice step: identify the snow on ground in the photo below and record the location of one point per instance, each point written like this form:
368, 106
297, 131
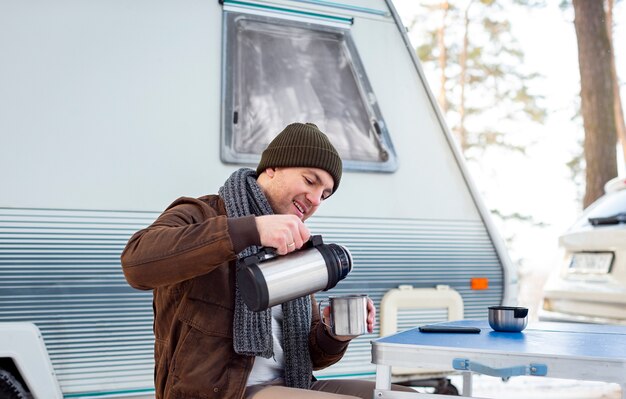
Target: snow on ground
539, 388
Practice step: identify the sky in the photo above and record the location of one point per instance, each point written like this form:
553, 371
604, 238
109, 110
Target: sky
539, 184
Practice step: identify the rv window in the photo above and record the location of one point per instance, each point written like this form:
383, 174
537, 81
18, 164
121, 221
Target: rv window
276, 72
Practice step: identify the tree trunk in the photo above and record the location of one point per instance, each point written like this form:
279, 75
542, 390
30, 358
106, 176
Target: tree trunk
594, 60
617, 98
463, 79
443, 57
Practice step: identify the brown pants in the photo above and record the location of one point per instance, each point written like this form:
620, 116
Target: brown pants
325, 389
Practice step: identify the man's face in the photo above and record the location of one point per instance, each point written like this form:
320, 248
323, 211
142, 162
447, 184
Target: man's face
297, 191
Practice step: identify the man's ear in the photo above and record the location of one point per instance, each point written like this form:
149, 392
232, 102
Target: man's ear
270, 172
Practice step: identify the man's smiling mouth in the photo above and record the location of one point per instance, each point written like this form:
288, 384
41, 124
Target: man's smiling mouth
299, 208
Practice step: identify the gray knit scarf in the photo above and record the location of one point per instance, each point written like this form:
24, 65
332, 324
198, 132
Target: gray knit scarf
253, 330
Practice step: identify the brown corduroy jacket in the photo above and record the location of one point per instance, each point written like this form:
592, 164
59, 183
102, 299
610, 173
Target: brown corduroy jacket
187, 257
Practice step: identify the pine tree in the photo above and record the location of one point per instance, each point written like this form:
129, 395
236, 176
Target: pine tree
483, 85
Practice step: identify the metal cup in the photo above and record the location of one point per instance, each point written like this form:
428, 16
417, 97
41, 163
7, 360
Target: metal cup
508, 318
348, 314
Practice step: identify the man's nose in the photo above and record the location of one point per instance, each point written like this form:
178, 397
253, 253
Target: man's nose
315, 197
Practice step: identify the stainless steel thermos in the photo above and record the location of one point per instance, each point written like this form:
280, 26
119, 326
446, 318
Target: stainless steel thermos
266, 279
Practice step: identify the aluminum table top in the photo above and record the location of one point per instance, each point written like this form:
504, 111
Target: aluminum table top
563, 340
558, 350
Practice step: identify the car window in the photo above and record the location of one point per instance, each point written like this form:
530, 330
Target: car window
280, 71
608, 206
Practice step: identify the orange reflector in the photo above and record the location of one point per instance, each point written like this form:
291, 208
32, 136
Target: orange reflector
479, 283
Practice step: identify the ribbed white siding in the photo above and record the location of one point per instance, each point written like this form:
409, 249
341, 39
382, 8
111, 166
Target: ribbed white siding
60, 269
421, 253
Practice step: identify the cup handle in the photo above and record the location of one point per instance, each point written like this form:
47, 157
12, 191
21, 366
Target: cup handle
319, 308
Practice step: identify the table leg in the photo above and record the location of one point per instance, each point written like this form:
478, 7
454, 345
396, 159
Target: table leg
467, 383
623, 391
383, 377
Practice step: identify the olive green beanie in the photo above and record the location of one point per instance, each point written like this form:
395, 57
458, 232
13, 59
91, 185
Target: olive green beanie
302, 145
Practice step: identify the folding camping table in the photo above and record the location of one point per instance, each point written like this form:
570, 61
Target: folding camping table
557, 350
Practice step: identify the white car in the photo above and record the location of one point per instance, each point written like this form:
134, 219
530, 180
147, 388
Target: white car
590, 285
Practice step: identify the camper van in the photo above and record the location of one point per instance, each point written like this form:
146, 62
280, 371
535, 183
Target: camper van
110, 110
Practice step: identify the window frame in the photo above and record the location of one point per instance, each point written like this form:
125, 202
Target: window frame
229, 94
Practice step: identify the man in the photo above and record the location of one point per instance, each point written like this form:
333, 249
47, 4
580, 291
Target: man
208, 344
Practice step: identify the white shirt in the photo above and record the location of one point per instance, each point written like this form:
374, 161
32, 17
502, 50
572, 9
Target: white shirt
266, 370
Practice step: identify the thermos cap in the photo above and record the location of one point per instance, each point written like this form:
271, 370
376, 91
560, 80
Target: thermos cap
253, 287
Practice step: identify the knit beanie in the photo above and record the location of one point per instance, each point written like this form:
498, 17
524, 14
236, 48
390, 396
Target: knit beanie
302, 145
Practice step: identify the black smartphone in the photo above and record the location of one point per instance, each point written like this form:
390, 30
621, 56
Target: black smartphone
434, 328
